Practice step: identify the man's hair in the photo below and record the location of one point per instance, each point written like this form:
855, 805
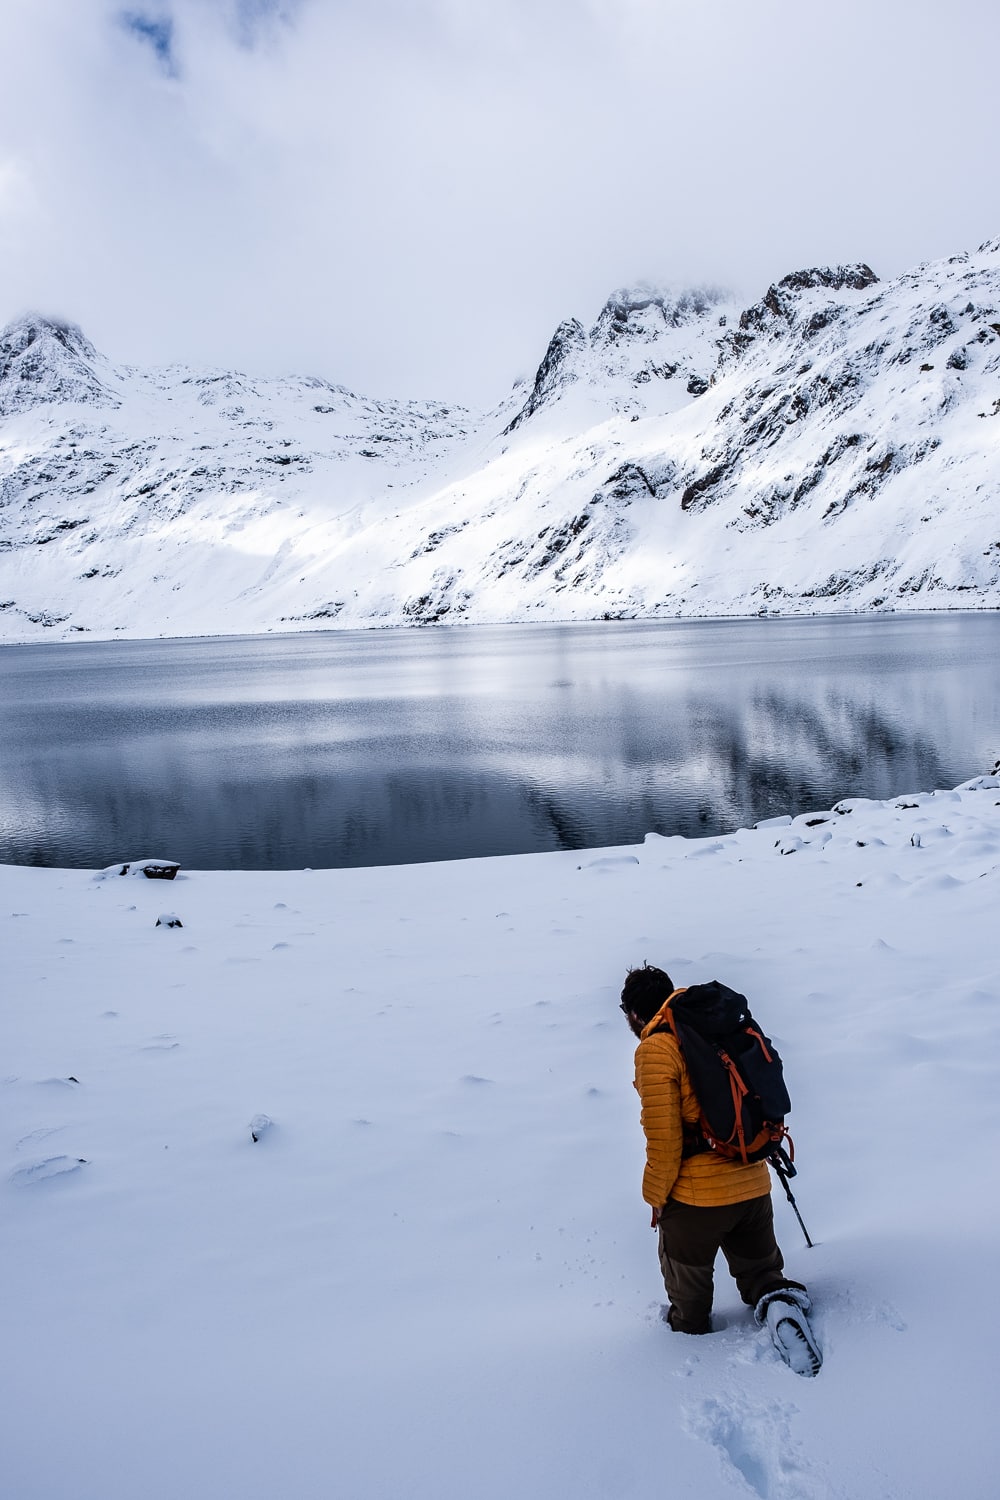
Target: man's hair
645, 990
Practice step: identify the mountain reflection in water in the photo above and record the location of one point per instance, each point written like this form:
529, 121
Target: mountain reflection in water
392, 747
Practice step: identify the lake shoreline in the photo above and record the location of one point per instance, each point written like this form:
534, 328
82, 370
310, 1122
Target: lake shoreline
375, 628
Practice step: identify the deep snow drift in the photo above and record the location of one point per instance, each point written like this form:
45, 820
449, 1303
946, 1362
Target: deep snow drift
832, 447
432, 1274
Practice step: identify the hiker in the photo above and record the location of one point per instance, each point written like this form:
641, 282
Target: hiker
701, 1199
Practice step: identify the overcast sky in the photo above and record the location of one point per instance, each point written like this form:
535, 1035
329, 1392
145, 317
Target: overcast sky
408, 195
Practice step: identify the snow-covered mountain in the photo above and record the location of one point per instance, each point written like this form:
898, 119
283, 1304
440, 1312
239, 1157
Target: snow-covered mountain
834, 446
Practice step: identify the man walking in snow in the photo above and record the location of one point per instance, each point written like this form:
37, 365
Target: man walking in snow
701, 1201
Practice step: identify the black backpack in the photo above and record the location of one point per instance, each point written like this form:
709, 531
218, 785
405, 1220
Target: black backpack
735, 1072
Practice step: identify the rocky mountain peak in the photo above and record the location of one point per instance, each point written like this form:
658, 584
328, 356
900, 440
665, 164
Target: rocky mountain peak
857, 277
643, 334
645, 312
786, 303
45, 359
780, 299
556, 369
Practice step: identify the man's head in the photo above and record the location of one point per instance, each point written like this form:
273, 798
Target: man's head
643, 992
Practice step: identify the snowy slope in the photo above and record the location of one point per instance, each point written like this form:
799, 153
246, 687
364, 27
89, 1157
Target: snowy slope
433, 1275
834, 446
122, 489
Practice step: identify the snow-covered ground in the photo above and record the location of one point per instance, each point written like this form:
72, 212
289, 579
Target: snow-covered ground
432, 1275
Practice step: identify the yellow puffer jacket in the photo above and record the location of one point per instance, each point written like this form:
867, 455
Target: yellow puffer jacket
668, 1101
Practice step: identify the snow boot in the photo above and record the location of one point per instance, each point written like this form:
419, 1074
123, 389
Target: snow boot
784, 1312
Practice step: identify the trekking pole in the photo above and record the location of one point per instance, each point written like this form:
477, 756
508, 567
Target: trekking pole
779, 1161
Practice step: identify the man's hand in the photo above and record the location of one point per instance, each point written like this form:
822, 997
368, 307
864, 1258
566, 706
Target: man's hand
654, 1221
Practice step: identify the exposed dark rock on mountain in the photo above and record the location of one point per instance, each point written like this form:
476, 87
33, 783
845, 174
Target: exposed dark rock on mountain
627, 343
42, 360
556, 369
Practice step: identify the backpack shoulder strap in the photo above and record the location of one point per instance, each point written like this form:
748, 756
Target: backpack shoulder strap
695, 1137
668, 1023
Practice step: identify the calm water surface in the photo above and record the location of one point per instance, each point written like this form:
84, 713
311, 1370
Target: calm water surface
389, 747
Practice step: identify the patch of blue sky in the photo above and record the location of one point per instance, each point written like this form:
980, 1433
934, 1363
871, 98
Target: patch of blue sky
249, 23
154, 31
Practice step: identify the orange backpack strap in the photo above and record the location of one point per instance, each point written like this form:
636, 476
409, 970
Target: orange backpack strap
752, 1031
739, 1092
671, 1023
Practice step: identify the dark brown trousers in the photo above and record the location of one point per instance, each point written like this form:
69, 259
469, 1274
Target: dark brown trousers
690, 1238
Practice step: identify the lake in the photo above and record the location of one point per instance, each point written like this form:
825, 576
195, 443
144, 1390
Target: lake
389, 747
